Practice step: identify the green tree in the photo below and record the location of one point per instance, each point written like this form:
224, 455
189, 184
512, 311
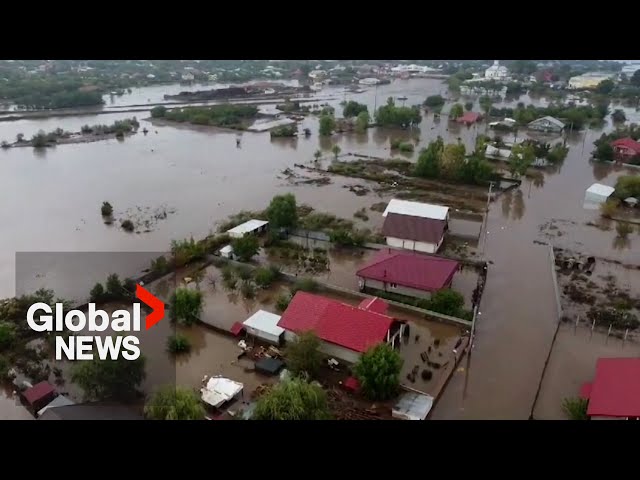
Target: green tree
106, 210
452, 161
605, 87
245, 247
174, 403
282, 211
293, 399
336, 151
97, 293
282, 302
158, 112
446, 301
434, 102
627, 186
39, 140
327, 125
390, 115
428, 164
303, 355
7, 337
353, 109
457, 110
113, 287
468, 106
624, 229
127, 225
317, 155
618, 116
265, 276
604, 151
362, 122
485, 104
575, 408
378, 371
522, 157
178, 343
186, 305
109, 379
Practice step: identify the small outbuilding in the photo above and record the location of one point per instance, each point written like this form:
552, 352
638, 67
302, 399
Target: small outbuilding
264, 325
227, 252
39, 396
412, 406
596, 195
251, 227
220, 390
269, 366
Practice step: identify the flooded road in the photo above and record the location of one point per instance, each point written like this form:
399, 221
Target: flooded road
50, 201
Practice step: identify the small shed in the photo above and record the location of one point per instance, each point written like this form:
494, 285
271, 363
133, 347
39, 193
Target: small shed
264, 325
596, 195
250, 227
269, 366
227, 252
220, 390
412, 406
39, 395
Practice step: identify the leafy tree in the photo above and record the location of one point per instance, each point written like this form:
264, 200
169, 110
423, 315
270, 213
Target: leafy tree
468, 106
452, 160
7, 337
178, 343
605, 87
618, 116
627, 186
523, 67
434, 101
106, 210
353, 109
128, 225
557, 153
317, 155
265, 276
575, 408
158, 112
428, 164
447, 302
336, 151
39, 140
457, 110
97, 293
635, 78
114, 287
327, 125
378, 371
390, 115
186, 305
362, 122
604, 152
109, 379
245, 247
174, 403
283, 302
522, 157
293, 399
485, 104
282, 211
476, 170
303, 355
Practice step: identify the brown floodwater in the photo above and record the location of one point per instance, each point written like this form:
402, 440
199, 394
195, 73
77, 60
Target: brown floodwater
50, 202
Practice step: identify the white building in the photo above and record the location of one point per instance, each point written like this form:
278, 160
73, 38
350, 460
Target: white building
250, 227
496, 71
188, 77
596, 195
264, 325
415, 226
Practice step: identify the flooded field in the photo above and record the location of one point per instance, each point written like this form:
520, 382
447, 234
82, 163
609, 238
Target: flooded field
204, 177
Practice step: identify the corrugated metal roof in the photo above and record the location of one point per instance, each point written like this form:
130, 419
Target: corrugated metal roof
220, 390
265, 322
416, 209
615, 391
600, 189
413, 228
38, 392
59, 401
247, 227
549, 119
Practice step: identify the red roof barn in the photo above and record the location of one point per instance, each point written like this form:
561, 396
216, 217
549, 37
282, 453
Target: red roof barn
469, 117
615, 390
626, 147
346, 331
408, 273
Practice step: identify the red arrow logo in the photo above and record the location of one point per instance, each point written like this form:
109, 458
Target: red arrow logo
154, 302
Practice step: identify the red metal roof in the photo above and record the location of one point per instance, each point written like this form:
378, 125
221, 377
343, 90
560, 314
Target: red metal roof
615, 390
627, 142
38, 392
352, 384
409, 227
423, 272
236, 328
335, 322
469, 117
374, 304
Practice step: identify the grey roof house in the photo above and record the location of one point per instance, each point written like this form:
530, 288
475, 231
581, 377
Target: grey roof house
547, 124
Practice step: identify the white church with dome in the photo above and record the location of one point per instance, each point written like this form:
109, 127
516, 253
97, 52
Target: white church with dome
496, 71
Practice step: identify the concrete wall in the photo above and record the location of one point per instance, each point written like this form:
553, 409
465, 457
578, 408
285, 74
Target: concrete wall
267, 337
386, 287
413, 245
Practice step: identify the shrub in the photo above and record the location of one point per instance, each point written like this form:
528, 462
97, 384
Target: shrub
608, 209
97, 294
160, 265
186, 305
575, 408
174, 403
306, 285
7, 336
106, 210
177, 344
447, 302
114, 287
265, 276
378, 371
244, 272
128, 225
245, 247
624, 229
303, 355
247, 290
283, 302
293, 400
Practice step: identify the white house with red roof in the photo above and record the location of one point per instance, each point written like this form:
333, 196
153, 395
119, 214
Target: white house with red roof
346, 331
625, 148
614, 393
411, 274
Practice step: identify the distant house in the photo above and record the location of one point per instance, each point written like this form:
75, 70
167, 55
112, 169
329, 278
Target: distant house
250, 227
496, 71
188, 77
547, 124
625, 148
415, 226
469, 118
614, 393
346, 331
406, 273
317, 74
91, 411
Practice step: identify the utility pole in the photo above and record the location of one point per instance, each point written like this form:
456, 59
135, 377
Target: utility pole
486, 217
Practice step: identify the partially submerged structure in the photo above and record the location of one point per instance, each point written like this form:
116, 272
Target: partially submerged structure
250, 227
406, 273
264, 325
469, 118
547, 124
625, 149
415, 226
614, 393
412, 406
219, 391
346, 332
596, 195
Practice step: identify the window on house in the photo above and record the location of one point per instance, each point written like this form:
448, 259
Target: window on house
393, 285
